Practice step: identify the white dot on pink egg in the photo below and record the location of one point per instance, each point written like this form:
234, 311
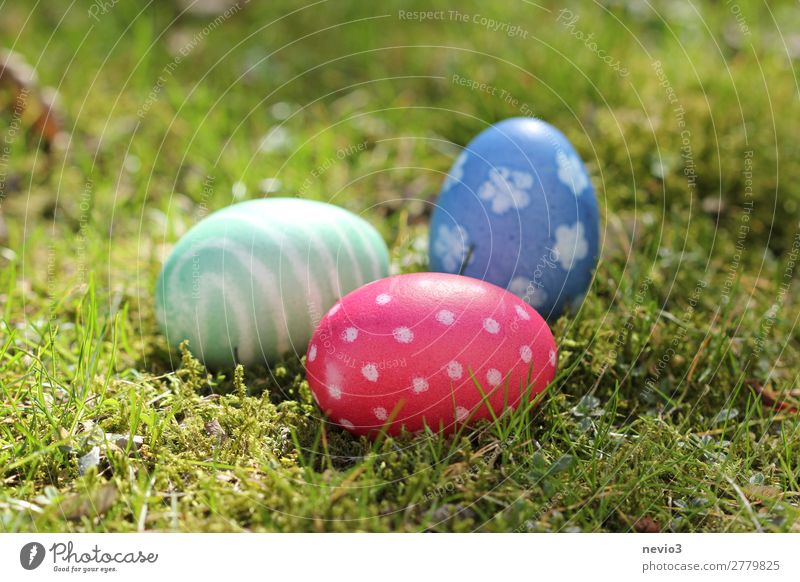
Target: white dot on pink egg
403, 335
419, 385
494, 377
445, 317
455, 370
350, 335
491, 326
370, 372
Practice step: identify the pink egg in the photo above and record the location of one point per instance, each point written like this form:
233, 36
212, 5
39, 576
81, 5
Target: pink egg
427, 349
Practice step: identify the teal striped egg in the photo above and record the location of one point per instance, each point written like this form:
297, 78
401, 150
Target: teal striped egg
249, 283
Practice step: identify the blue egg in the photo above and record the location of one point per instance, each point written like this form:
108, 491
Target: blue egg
518, 210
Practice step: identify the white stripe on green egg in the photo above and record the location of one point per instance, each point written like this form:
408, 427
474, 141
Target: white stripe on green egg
287, 251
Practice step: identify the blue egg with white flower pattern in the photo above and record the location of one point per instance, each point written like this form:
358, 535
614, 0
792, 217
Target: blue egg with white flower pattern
518, 210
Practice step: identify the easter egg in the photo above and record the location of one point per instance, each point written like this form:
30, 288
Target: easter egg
518, 210
427, 349
250, 282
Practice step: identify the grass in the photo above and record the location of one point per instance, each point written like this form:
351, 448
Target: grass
655, 420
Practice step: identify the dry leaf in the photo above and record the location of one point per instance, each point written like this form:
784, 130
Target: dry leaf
786, 402
89, 460
93, 505
647, 525
759, 492
214, 428
36, 107
122, 441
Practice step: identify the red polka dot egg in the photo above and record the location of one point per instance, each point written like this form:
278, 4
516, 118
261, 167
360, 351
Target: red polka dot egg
427, 349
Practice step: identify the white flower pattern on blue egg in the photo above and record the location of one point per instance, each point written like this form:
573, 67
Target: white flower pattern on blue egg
571, 172
571, 245
451, 247
456, 173
518, 285
534, 294
537, 298
506, 189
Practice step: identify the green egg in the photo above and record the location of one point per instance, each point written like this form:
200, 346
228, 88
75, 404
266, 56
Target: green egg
249, 283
